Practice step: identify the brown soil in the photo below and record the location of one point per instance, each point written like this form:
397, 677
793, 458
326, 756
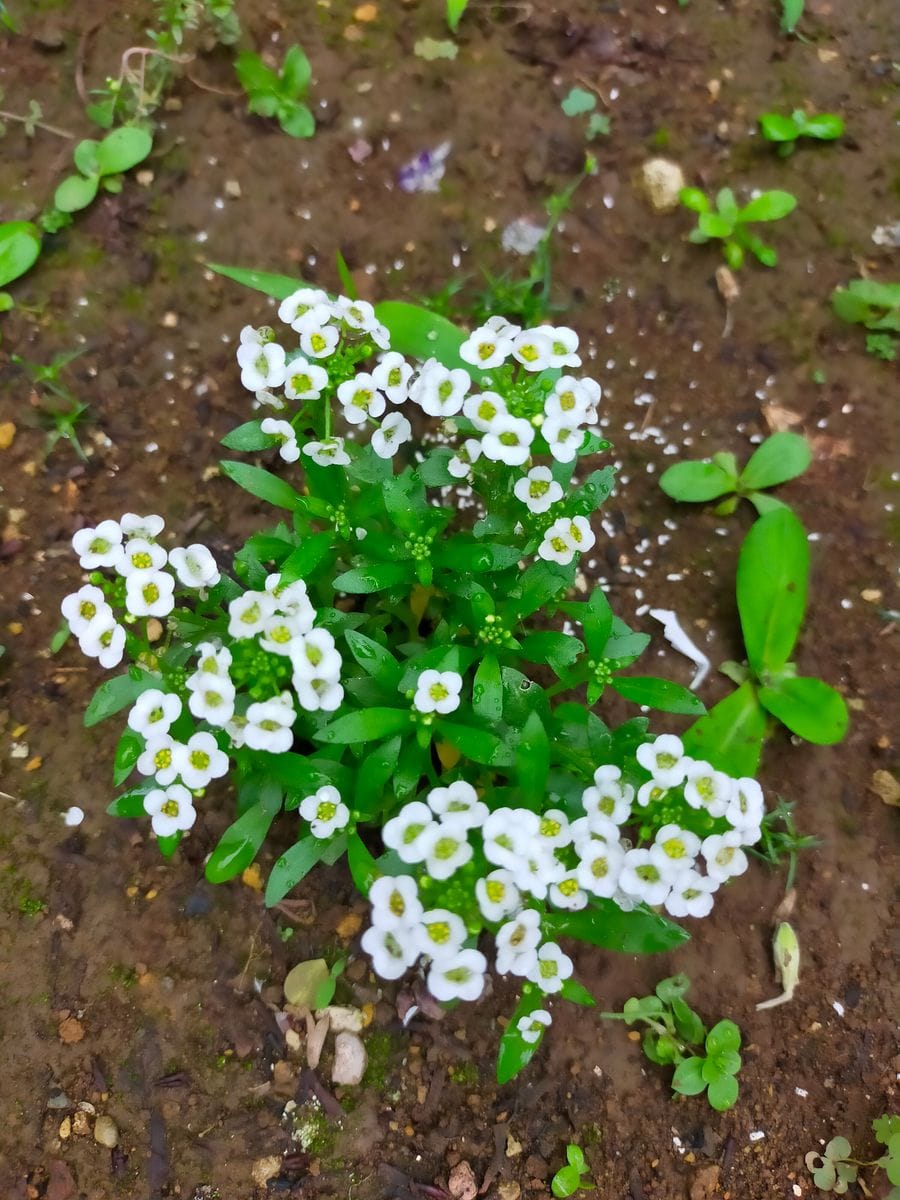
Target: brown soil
134, 971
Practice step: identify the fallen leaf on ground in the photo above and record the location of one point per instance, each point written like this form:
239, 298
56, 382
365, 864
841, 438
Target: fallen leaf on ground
886, 787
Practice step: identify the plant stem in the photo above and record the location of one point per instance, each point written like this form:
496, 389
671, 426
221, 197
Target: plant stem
63, 133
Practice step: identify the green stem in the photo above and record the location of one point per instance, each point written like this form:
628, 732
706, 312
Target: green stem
63, 133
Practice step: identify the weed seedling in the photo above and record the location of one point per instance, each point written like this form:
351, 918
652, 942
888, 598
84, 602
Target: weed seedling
60, 410
780, 841
781, 457
674, 1035
279, 94
573, 1177
579, 103
731, 225
20, 245
833, 1170
875, 306
791, 12
101, 164
455, 10
785, 132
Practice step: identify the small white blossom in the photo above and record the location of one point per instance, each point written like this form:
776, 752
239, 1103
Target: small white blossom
554, 830
148, 527
507, 835
573, 401
609, 799
270, 724
392, 952
394, 432
213, 659
708, 789
746, 810
325, 811
360, 399
517, 943
557, 545
649, 793
98, 547
392, 376
460, 465
533, 348
262, 366
508, 440
563, 346
437, 691
440, 934
532, 1027
149, 594
319, 341
484, 409
104, 639
538, 490
459, 802
568, 893
303, 305
406, 833
280, 635
195, 566
171, 809
317, 693
486, 348
497, 895
551, 968
678, 847
330, 453
665, 759
643, 877
600, 867
691, 894
140, 557
305, 380
395, 902
458, 978
283, 431
161, 757
248, 613
154, 712
211, 698
201, 761
439, 391
724, 856
81, 607
315, 656
563, 439
446, 848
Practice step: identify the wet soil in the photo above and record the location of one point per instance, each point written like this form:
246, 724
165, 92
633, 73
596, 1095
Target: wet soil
160, 982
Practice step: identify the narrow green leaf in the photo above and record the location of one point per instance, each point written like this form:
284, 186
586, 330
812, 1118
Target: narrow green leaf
573, 991
781, 457
128, 751
248, 437
296, 72
118, 693
605, 924
375, 772
373, 578
347, 281
809, 708
279, 287
302, 562
363, 868
791, 12
660, 694
131, 803
772, 578
477, 744
370, 725
418, 333
533, 760
487, 690
241, 841
455, 10
730, 735
514, 1053
294, 865
262, 484
556, 650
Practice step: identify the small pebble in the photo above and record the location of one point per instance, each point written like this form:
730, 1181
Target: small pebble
106, 1131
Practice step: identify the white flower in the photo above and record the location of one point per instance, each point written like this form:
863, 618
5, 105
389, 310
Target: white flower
508, 440
691, 894
557, 546
568, 893
554, 830
610, 799
392, 952
649, 793
458, 978
563, 439
460, 465
563, 346
98, 547
319, 340
573, 401
297, 308
746, 809
437, 691
149, 527
440, 934
533, 1025
360, 399
538, 490
507, 835
330, 453
195, 566
551, 968
317, 693
643, 877
247, 614
395, 902
446, 848
201, 761
438, 391
533, 348
394, 432
458, 802
325, 811
392, 376
81, 607
262, 365
103, 639
235, 730
665, 759
270, 724
679, 847
600, 867
149, 594
724, 856
484, 409
161, 758
171, 809
708, 789
253, 336
213, 659
406, 833
293, 602
287, 438
211, 698
305, 380
497, 895
486, 348
536, 870
314, 655
280, 635
517, 943
141, 557
154, 712
358, 314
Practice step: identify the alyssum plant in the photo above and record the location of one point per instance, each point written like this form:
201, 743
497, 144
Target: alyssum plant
387, 666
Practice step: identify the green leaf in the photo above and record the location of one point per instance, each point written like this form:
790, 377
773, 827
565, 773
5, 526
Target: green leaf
777, 128
239, 844
566, 1182
374, 578
295, 771
85, 157
781, 457
262, 484
370, 725
76, 192
455, 10
730, 735
772, 578
556, 650
660, 694
375, 772
694, 199
514, 1053
296, 72
122, 149
687, 1023
605, 924
279, 287
578, 102
808, 707
131, 803
294, 865
20, 245
764, 503
722, 1092
302, 562
348, 283
675, 987
714, 225
253, 74
770, 206
168, 845
477, 744
791, 12
418, 333
696, 481
248, 437
533, 760
374, 658
724, 1036
296, 121
128, 751
827, 127
487, 690
574, 992
363, 868
688, 1078
115, 694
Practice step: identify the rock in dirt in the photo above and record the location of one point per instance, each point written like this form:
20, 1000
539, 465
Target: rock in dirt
343, 1019
462, 1185
70, 1031
106, 1132
705, 1184
886, 787
509, 1190
7, 434
350, 1060
662, 180
61, 1185
303, 982
265, 1169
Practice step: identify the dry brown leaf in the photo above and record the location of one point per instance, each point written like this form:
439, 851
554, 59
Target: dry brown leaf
778, 418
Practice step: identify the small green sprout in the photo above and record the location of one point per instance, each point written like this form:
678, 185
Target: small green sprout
781, 457
572, 1177
279, 94
833, 1169
579, 102
20, 245
875, 306
780, 840
102, 163
785, 132
673, 1031
730, 224
455, 10
60, 410
791, 12
786, 953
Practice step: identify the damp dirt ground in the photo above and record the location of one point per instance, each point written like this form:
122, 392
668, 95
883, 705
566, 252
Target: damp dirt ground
132, 985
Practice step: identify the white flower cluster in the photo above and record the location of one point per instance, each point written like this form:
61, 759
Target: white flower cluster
561, 861
129, 548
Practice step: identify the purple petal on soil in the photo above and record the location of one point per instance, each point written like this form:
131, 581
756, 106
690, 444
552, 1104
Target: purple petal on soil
360, 150
424, 172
